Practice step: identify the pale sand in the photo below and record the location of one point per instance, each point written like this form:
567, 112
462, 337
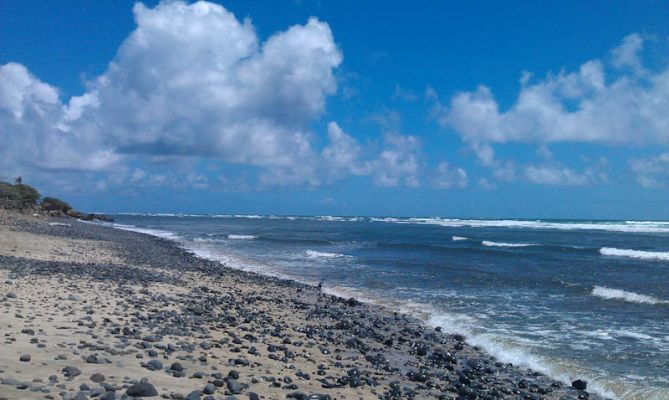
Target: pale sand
50, 248
43, 304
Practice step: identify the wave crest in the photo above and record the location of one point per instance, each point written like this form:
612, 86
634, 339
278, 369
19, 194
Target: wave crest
242, 237
619, 294
321, 254
503, 244
641, 254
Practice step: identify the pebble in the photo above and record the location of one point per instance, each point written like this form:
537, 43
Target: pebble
579, 384
71, 372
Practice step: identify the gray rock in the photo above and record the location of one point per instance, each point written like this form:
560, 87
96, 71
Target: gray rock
108, 396
235, 387
142, 389
10, 381
194, 395
71, 372
579, 384
24, 357
154, 365
209, 389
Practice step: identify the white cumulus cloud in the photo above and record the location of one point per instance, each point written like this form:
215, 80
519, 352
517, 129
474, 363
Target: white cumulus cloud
396, 163
555, 176
447, 177
652, 172
190, 80
595, 104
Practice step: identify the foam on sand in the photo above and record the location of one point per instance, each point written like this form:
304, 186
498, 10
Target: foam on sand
619, 294
644, 255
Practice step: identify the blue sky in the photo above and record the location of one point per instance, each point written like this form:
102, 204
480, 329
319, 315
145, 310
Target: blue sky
514, 109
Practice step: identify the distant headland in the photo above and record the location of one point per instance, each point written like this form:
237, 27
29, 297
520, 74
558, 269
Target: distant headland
25, 198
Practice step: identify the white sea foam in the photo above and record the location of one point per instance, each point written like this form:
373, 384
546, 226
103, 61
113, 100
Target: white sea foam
512, 350
335, 218
321, 254
613, 226
502, 244
619, 294
645, 255
458, 238
59, 224
153, 232
633, 334
242, 237
238, 262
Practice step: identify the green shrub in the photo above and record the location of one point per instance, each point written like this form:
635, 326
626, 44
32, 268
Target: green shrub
54, 204
17, 197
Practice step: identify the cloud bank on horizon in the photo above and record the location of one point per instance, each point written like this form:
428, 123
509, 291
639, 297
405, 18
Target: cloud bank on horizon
193, 82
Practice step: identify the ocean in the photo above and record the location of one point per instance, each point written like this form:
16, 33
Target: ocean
570, 298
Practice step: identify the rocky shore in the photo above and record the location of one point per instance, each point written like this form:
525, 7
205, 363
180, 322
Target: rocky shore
92, 312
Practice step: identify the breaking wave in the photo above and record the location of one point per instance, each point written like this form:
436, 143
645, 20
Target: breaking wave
502, 244
153, 232
641, 254
612, 226
619, 294
321, 254
242, 237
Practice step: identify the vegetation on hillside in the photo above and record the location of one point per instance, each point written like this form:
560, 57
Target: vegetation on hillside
22, 197
54, 204
18, 197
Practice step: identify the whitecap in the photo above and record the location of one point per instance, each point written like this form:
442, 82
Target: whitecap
241, 237
612, 226
641, 254
321, 254
458, 238
503, 244
619, 294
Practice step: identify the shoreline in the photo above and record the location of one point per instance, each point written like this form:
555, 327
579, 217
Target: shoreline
281, 336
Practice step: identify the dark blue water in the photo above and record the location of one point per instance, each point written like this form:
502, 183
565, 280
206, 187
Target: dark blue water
573, 299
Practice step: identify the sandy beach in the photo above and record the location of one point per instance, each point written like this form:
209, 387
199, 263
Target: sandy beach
92, 312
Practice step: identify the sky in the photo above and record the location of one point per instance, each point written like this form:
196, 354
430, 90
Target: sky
513, 109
